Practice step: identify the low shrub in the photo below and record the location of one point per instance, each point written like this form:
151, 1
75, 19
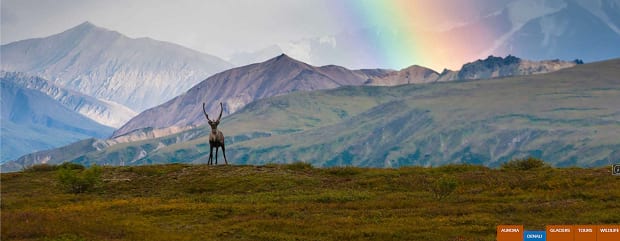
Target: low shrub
71, 166
443, 187
344, 171
44, 167
459, 168
524, 164
79, 181
298, 166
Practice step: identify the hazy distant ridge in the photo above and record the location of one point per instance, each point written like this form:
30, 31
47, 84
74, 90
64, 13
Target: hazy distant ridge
103, 112
33, 120
138, 73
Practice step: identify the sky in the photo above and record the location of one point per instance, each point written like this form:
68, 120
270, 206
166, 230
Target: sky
215, 27
223, 28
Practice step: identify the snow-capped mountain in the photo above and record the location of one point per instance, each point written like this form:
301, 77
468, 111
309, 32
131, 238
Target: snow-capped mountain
138, 73
101, 111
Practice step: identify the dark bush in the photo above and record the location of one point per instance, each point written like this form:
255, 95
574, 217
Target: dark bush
459, 168
524, 164
443, 187
71, 166
298, 166
79, 181
344, 171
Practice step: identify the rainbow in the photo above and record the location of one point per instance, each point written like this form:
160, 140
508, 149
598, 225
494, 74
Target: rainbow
405, 34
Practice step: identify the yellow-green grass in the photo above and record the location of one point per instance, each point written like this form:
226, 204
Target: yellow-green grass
297, 202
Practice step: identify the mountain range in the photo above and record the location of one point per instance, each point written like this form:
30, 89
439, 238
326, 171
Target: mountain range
238, 87
84, 70
95, 80
138, 73
567, 117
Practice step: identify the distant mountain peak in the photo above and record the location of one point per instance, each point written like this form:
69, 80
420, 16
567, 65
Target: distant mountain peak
88, 29
493, 67
286, 62
284, 58
493, 60
108, 65
87, 24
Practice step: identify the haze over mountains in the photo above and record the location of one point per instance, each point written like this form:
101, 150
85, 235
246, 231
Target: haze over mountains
103, 112
568, 117
138, 73
530, 29
45, 117
87, 80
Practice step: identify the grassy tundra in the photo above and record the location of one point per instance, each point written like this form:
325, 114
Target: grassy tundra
298, 202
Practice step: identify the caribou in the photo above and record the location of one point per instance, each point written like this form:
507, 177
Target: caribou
216, 137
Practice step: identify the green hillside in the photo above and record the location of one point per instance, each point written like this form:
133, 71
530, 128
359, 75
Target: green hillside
298, 202
570, 118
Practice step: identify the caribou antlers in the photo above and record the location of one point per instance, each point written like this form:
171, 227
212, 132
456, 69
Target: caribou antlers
216, 137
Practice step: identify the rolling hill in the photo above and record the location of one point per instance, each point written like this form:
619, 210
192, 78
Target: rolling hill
569, 117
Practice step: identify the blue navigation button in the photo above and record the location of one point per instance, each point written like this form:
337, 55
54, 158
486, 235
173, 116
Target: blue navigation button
534, 235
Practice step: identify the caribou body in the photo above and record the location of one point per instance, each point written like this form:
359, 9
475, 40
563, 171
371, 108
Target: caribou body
216, 137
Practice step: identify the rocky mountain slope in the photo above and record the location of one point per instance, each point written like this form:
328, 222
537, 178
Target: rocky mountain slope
138, 73
491, 67
494, 67
583, 29
240, 86
103, 112
237, 87
412, 75
33, 121
569, 117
